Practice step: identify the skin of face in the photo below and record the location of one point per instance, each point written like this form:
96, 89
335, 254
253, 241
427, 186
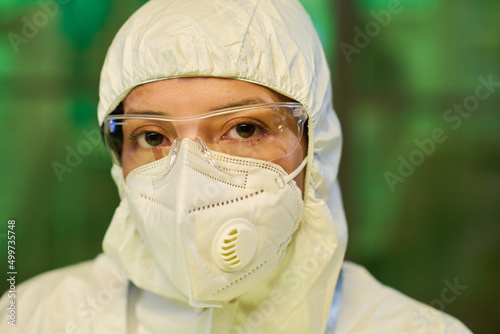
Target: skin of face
195, 96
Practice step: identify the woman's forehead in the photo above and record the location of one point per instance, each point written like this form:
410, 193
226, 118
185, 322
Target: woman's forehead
192, 96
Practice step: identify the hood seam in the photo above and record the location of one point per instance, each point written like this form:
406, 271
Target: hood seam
246, 31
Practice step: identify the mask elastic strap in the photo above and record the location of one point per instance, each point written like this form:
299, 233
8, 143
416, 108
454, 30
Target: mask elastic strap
296, 172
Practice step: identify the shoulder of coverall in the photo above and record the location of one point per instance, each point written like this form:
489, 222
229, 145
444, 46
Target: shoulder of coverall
73, 299
370, 307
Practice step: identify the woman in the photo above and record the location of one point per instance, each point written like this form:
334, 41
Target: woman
218, 116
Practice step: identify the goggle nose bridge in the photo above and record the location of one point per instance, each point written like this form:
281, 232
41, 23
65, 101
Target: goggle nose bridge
205, 150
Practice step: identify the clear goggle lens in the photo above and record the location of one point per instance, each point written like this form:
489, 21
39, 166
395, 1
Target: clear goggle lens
262, 131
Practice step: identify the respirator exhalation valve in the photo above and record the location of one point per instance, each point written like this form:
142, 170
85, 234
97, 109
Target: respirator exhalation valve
235, 245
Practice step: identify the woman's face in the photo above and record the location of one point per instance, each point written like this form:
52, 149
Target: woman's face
182, 97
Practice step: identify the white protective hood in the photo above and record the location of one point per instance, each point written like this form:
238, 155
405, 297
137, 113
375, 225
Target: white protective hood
272, 43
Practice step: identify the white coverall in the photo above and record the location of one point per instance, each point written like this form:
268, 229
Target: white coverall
267, 42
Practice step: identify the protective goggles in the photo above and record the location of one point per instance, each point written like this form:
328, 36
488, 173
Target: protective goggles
261, 131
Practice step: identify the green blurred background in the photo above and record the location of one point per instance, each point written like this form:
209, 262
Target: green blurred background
393, 87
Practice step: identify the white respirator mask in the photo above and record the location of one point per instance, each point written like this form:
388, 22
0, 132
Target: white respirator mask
215, 224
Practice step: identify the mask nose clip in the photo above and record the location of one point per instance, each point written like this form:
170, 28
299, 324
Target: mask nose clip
201, 145
206, 152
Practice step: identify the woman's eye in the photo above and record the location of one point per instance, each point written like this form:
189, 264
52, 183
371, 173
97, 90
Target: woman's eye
243, 131
150, 139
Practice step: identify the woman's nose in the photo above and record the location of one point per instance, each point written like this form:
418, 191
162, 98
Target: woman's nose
201, 145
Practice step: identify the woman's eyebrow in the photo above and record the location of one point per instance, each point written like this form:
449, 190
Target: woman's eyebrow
239, 103
145, 112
